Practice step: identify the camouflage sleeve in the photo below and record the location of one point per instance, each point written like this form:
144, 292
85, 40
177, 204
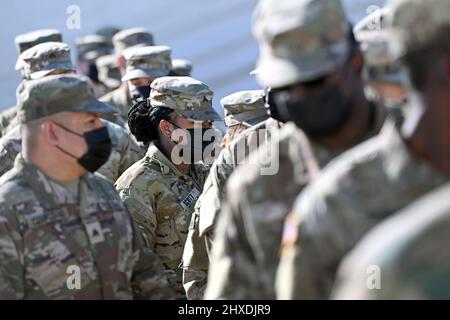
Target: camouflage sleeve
195, 261
148, 280
6, 159
140, 204
11, 256
201, 229
131, 153
231, 271
321, 230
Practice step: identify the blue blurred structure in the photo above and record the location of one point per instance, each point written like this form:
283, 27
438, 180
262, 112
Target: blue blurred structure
215, 35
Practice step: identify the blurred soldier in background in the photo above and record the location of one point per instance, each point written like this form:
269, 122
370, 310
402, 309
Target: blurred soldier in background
160, 191
374, 180
144, 65
58, 220
411, 249
23, 42
247, 120
109, 72
404, 257
379, 71
89, 49
54, 58
120, 98
310, 60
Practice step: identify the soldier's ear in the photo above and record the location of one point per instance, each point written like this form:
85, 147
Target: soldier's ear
165, 127
48, 132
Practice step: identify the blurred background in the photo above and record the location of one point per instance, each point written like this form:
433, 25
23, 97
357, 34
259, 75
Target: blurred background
215, 35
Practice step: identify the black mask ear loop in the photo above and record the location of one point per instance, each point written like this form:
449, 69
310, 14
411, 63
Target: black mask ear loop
72, 132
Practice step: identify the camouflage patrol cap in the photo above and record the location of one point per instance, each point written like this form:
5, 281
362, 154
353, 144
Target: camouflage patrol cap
147, 62
181, 67
134, 37
108, 71
58, 93
244, 107
412, 24
44, 58
91, 47
370, 33
189, 98
27, 40
300, 40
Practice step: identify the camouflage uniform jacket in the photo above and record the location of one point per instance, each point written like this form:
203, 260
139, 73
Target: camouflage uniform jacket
360, 189
201, 231
161, 200
45, 233
121, 100
408, 252
10, 147
248, 234
125, 151
8, 120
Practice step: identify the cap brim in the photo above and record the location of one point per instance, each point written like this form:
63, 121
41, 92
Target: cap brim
43, 73
141, 73
254, 72
208, 114
19, 64
96, 106
255, 121
95, 54
276, 72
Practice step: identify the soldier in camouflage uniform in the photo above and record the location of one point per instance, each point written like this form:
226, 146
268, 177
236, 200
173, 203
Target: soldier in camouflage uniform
160, 191
109, 72
408, 252
243, 110
24, 42
181, 68
318, 86
379, 71
128, 38
380, 177
54, 58
144, 65
64, 232
38, 61
89, 49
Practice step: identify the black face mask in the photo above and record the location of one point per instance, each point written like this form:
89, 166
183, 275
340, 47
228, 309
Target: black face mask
139, 94
196, 149
319, 115
99, 148
271, 107
93, 72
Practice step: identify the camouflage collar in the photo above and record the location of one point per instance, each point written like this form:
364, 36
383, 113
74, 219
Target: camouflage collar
168, 168
158, 157
42, 185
